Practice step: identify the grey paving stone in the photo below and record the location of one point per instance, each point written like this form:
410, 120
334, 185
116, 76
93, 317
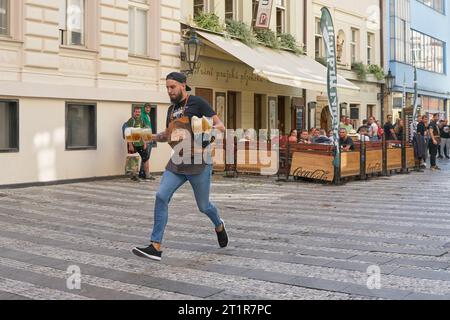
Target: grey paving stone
86, 290
391, 294
424, 296
320, 284
224, 269
270, 276
422, 274
372, 258
361, 267
106, 273
420, 263
355, 236
11, 296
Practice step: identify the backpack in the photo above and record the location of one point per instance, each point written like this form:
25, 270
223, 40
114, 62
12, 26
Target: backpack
125, 126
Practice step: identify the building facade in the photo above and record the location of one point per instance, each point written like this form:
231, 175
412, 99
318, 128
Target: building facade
418, 34
70, 71
359, 41
242, 99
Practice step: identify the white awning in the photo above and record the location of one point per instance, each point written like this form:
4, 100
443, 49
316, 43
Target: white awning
279, 66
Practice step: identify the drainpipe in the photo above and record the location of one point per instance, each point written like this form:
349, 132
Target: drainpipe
305, 23
382, 61
305, 47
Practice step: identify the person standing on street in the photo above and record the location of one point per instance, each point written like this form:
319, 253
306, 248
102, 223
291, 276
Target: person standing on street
445, 139
435, 137
184, 107
389, 129
139, 146
144, 173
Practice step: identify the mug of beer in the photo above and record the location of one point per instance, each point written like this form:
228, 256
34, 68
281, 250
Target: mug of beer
128, 136
201, 125
147, 135
136, 134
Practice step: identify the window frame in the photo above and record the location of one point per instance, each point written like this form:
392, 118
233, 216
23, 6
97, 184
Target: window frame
146, 8
8, 20
64, 33
354, 44
371, 39
318, 36
69, 148
14, 150
204, 6
433, 6
255, 5
233, 10
282, 9
429, 52
153, 27
154, 112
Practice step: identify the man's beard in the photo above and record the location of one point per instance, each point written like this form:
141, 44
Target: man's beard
177, 99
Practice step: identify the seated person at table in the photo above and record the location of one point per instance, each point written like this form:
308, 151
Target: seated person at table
315, 135
293, 136
330, 136
304, 137
364, 134
345, 141
322, 139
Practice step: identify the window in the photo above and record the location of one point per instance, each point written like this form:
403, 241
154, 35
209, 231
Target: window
428, 52
72, 25
318, 40
255, 4
354, 45
370, 48
370, 111
400, 30
4, 17
438, 5
81, 126
229, 10
354, 114
281, 16
199, 6
138, 27
9, 126
152, 117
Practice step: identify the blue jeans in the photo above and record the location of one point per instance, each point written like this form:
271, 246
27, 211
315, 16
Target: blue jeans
171, 182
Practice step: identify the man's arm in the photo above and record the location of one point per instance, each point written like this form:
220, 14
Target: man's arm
218, 124
433, 138
393, 133
162, 136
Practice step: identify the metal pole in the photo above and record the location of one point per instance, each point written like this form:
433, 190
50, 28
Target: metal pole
337, 169
404, 164
288, 161
384, 148
404, 169
362, 159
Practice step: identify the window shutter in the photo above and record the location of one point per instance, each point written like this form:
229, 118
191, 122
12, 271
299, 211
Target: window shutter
62, 14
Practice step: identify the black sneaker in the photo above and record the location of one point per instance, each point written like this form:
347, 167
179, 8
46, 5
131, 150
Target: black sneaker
222, 237
150, 253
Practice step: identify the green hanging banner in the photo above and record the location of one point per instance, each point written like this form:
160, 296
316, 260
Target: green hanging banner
329, 39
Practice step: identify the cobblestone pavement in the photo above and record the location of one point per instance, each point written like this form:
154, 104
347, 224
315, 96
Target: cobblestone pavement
288, 240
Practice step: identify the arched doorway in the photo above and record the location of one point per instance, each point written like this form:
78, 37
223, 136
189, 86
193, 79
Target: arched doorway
325, 119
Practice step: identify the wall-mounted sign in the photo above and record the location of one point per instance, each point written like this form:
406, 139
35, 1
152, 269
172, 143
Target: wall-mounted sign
264, 14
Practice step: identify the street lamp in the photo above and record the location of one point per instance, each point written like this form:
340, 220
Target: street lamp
386, 90
192, 51
389, 82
